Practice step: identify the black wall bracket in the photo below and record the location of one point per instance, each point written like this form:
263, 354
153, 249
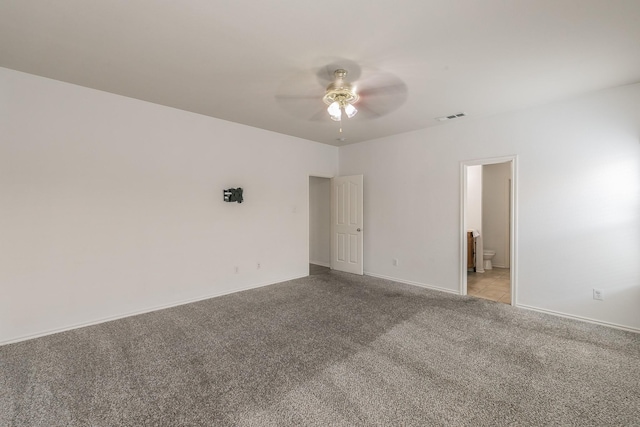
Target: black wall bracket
233, 195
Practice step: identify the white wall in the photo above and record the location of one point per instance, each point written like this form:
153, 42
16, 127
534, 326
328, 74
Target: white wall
495, 211
474, 210
474, 198
579, 202
320, 221
111, 206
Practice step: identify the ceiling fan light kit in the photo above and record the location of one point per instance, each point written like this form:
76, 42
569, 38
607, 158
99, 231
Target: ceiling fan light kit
340, 96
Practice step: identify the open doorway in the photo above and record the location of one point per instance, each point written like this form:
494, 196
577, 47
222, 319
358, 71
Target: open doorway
336, 220
488, 224
319, 225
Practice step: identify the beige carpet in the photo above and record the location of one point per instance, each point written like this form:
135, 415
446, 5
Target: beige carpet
331, 349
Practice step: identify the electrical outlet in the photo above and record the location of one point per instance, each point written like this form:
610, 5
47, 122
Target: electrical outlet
598, 294
258, 267
395, 262
237, 269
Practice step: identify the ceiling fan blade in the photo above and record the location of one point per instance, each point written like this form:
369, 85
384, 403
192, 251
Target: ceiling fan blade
299, 94
393, 90
286, 97
325, 74
380, 106
366, 112
301, 108
381, 93
320, 116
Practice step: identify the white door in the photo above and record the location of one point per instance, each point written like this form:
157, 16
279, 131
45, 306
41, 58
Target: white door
346, 224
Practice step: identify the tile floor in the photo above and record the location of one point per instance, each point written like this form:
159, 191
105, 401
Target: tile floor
493, 285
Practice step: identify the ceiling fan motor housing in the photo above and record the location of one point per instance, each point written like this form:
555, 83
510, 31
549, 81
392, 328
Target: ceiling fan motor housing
339, 90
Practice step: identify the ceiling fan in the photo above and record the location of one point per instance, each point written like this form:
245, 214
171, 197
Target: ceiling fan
345, 89
340, 96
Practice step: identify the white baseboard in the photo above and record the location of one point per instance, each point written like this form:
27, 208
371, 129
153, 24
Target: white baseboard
409, 282
527, 307
322, 264
259, 285
143, 311
581, 318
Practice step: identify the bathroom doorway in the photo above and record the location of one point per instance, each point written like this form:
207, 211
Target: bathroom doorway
488, 229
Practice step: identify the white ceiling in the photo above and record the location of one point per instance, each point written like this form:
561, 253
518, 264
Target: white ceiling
244, 61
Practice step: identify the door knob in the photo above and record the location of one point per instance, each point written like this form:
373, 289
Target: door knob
358, 230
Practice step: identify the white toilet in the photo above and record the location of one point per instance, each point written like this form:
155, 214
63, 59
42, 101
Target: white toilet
487, 255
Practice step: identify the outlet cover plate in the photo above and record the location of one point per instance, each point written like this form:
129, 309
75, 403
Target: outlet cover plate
598, 294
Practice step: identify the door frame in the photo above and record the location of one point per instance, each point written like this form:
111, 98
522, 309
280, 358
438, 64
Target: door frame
309, 211
513, 223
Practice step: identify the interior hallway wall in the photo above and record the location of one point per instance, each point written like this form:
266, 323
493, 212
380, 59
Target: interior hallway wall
474, 197
495, 211
578, 209
112, 206
320, 221
474, 210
